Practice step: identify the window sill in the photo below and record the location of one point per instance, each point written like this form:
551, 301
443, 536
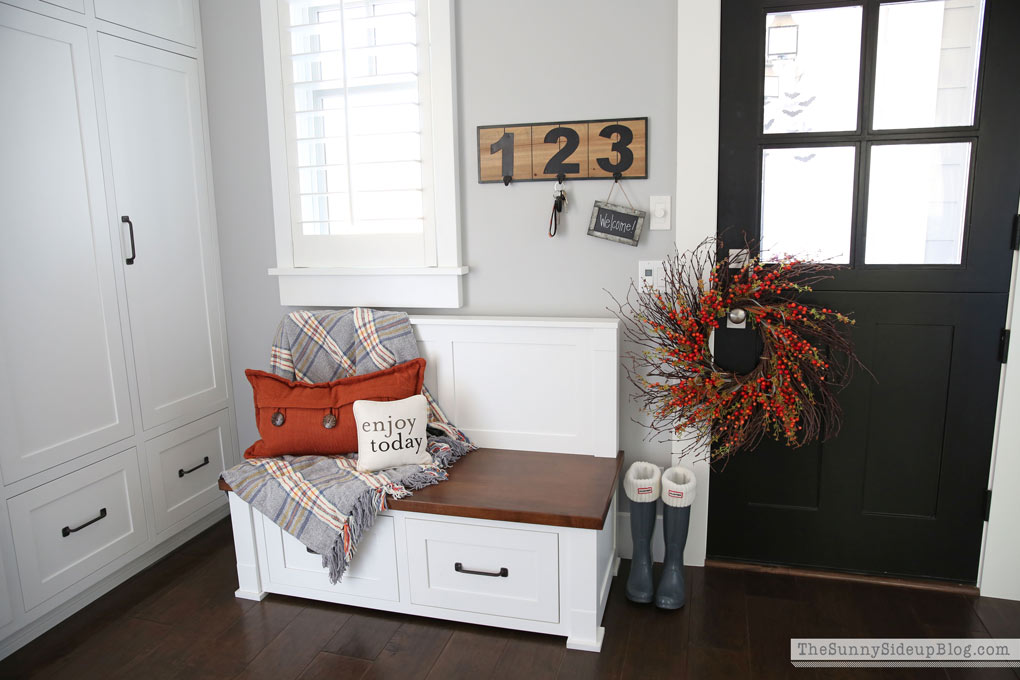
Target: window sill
432, 287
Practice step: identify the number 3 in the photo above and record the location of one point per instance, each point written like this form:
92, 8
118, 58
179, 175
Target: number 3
619, 146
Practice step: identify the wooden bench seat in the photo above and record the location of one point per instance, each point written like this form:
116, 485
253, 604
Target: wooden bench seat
521, 486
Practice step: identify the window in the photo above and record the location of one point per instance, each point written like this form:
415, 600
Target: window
361, 113
878, 177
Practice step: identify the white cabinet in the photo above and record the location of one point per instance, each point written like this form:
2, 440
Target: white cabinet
63, 382
154, 115
170, 19
65, 530
185, 466
113, 385
73, 5
6, 608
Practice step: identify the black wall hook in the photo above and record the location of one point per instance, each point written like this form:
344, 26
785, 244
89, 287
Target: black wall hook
561, 178
507, 179
617, 176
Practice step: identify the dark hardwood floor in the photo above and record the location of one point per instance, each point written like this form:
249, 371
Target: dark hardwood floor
179, 619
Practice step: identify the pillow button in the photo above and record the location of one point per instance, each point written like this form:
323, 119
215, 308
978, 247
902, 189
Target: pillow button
277, 419
329, 421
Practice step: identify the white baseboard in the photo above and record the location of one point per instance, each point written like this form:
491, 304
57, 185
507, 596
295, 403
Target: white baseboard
50, 619
624, 545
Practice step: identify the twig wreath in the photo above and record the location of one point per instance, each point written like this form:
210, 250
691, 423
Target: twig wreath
807, 355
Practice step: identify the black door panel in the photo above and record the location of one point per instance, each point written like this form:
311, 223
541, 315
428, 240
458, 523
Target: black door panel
900, 489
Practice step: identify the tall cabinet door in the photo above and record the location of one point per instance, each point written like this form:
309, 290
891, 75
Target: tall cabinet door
63, 378
153, 107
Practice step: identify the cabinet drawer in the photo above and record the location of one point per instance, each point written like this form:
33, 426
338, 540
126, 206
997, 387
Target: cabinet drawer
72, 526
372, 573
184, 466
488, 570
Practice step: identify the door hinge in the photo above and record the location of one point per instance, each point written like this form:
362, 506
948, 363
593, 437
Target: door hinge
1003, 345
988, 504
1014, 239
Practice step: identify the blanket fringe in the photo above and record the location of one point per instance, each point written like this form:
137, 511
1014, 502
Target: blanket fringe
362, 517
445, 452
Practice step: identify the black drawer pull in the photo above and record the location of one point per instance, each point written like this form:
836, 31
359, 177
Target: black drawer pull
131, 232
67, 531
182, 471
459, 568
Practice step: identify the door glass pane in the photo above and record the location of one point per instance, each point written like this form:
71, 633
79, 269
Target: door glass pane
812, 65
807, 202
917, 199
926, 74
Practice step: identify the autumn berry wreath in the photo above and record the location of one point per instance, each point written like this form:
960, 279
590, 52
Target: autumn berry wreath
790, 394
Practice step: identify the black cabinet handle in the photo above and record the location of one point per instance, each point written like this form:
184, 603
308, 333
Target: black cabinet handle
459, 568
67, 531
131, 233
182, 471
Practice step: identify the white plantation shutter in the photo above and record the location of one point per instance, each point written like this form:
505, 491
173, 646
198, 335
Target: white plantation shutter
356, 110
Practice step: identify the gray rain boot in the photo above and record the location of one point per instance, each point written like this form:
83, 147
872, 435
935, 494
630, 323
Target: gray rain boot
641, 484
677, 495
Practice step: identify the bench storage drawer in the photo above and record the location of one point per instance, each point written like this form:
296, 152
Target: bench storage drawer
68, 528
484, 569
372, 573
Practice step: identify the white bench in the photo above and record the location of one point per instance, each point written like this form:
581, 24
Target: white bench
523, 534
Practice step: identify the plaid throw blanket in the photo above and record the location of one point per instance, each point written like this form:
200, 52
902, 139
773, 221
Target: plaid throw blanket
324, 501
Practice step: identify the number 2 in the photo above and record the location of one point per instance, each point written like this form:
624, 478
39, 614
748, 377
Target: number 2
556, 166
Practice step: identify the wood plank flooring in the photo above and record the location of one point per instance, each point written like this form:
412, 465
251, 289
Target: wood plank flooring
180, 620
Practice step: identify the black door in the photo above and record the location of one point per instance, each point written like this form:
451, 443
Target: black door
884, 135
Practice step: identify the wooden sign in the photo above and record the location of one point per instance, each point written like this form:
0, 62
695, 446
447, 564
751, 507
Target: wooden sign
587, 149
616, 223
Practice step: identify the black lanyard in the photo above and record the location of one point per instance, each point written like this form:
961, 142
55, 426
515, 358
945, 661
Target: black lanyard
559, 200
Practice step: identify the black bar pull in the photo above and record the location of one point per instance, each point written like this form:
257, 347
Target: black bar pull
459, 568
182, 471
67, 531
131, 233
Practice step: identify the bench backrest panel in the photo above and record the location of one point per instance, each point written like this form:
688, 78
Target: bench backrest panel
533, 384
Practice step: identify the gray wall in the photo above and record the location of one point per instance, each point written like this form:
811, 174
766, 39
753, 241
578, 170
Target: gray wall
526, 61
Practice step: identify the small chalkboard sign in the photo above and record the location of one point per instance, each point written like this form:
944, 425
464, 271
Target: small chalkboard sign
616, 223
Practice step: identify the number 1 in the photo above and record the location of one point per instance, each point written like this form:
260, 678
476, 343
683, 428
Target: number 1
506, 145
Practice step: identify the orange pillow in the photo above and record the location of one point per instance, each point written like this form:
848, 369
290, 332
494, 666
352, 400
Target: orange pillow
297, 418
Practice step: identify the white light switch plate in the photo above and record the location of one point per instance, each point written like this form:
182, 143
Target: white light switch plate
738, 257
651, 273
658, 209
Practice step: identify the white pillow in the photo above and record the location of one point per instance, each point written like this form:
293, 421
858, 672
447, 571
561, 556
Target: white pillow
391, 433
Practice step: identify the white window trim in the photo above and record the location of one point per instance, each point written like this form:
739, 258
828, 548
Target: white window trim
435, 286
